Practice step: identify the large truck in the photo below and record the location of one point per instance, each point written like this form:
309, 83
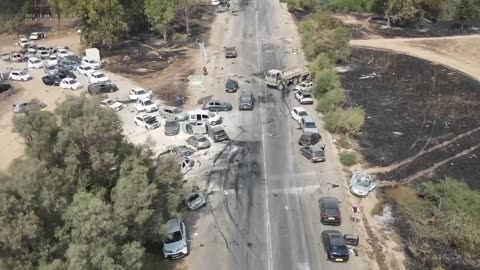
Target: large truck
280, 79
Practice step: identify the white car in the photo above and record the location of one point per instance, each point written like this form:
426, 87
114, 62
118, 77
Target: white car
297, 113
140, 93
307, 86
52, 60
34, 62
63, 53
304, 97
69, 83
146, 105
147, 121
115, 105
17, 75
24, 42
175, 244
90, 63
97, 77
37, 35
84, 70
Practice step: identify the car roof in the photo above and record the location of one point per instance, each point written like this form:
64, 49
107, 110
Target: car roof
308, 118
329, 200
316, 148
138, 89
299, 109
173, 225
198, 136
332, 232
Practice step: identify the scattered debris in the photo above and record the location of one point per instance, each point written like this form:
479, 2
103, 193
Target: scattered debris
369, 76
397, 133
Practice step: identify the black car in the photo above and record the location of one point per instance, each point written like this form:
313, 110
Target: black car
65, 73
247, 101
230, 52
330, 211
309, 138
231, 86
101, 88
52, 80
335, 246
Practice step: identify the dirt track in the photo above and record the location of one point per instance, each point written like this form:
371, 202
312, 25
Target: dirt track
459, 52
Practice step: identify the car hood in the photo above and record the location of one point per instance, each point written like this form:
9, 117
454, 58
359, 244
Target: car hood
182, 115
176, 246
359, 189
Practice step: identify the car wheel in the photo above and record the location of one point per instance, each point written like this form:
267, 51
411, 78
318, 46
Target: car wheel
22, 79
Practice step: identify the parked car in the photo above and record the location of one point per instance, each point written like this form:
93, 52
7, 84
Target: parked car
231, 86
304, 86
50, 70
297, 113
69, 83
90, 63
147, 121
101, 88
218, 134
172, 127
304, 97
17, 57
198, 141
217, 105
196, 200
146, 105
85, 70
97, 77
309, 138
361, 184
196, 128
24, 107
247, 101
186, 164
173, 112
231, 52
37, 35
115, 105
51, 80
52, 60
308, 125
314, 153
175, 244
34, 62
44, 55
63, 52
207, 117
335, 246
17, 75
330, 211
178, 150
24, 42
65, 73
140, 93
64, 63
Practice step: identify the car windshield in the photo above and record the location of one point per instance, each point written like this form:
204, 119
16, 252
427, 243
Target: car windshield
86, 68
307, 96
318, 153
245, 99
339, 249
147, 102
170, 124
51, 67
141, 92
310, 125
202, 139
302, 113
101, 75
37, 61
177, 110
174, 237
150, 120
231, 83
193, 197
73, 82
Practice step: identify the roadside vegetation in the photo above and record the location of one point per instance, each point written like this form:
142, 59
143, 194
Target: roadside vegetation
106, 22
399, 12
83, 197
439, 218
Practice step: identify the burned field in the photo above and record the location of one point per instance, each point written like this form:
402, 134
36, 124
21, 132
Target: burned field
422, 120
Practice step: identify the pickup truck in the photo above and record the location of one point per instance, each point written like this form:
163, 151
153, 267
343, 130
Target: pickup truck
279, 79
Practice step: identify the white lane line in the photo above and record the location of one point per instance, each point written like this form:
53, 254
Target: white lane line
262, 109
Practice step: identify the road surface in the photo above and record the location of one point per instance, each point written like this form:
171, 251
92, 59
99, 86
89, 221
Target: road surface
263, 209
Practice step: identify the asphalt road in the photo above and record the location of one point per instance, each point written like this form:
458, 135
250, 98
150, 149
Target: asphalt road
263, 203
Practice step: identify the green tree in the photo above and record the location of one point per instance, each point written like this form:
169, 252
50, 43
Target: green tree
161, 14
102, 22
56, 9
134, 16
466, 11
402, 11
325, 81
12, 14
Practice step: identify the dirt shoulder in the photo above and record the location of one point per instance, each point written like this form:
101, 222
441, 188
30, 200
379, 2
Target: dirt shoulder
458, 52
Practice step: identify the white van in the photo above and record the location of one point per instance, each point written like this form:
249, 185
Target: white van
308, 125
204, 116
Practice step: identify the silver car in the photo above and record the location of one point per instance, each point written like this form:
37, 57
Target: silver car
172, 127
361, 184
196, 200
314, 153
217, 105
175, 244
198, 141
173, 112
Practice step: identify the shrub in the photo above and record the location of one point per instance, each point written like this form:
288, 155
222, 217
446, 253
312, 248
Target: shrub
344, 141
293, 4
331, 100
321, 62
348, 158
325, 81
330, 121
351, 120
350, 5
180, 37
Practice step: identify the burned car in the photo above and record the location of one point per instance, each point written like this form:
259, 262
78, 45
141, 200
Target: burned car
196, 200
361, 184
